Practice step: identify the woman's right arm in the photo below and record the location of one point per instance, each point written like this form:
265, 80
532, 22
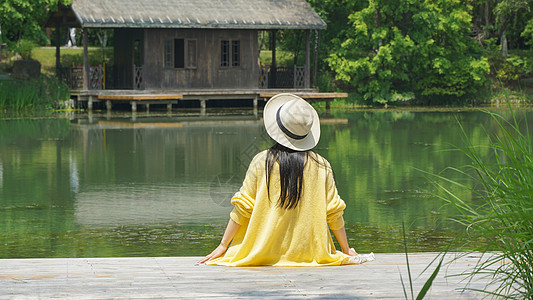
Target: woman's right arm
230, 232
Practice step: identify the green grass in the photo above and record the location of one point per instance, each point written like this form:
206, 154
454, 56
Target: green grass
47, 57
501, 217
283, 58
40, 93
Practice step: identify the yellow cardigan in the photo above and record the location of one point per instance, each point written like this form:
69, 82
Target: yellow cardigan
270, 235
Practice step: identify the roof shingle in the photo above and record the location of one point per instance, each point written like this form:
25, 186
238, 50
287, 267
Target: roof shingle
228, 14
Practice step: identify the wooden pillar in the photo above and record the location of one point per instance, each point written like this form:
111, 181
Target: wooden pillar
255, 105
108, 105
273, 66
203, 105
58, 51
315, 59
169, 107
307, 80
90, 104
133, 106
85, 60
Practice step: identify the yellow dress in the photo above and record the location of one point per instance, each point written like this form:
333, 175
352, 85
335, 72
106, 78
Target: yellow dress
270, 235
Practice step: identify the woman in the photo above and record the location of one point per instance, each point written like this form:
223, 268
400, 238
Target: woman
287, 200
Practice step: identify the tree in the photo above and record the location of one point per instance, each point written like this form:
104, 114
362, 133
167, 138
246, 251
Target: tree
406, 49
505, 12
25, 18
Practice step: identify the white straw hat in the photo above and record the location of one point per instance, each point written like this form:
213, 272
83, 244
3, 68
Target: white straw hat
292, 122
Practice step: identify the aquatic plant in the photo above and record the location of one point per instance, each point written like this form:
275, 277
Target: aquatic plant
38, 93
429, 282
500, 217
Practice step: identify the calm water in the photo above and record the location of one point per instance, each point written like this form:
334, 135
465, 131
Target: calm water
110, 185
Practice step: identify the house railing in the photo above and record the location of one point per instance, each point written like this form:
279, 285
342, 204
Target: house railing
103, 76
73, 76
138, 78
285, 77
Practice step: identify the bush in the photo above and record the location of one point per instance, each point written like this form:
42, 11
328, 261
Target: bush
24, 48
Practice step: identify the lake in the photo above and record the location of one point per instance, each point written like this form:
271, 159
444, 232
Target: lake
157, 184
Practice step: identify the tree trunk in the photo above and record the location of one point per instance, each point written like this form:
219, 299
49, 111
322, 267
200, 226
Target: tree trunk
504, 45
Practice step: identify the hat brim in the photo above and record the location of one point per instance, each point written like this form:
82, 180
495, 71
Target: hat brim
273, 130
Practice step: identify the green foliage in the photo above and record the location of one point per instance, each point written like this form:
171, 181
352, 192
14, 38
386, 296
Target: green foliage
34, 94
25, 48
512, 68
24, 18
400, 50
503, 218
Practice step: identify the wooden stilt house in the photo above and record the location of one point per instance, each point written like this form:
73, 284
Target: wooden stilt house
193, 48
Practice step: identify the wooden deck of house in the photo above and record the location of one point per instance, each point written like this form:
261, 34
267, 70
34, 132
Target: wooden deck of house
170, 97
183, 278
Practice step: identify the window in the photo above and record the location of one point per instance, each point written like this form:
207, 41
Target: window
180, 53
236, 53
191, 53
137, 57
224, 53
168, 54
230, 56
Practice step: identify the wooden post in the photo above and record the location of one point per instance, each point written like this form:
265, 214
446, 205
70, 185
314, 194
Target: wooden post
133, 106
315, 64
85, 60
169, 107
108, 105
307, 60
203, 105
90, 103
273, 66
58, 51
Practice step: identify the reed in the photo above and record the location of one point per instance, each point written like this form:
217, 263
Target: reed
41, 93
500, 218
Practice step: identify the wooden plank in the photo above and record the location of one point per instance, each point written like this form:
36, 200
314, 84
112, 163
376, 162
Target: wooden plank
182, 277
140, 97
310, 95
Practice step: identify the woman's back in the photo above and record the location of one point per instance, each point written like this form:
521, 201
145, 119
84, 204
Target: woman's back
273, 235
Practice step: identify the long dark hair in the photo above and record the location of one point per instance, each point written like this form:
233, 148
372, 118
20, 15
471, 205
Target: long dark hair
291, 173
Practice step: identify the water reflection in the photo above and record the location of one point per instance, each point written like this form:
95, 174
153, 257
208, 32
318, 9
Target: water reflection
161, 185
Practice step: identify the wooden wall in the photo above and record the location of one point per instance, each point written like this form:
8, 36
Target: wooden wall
208, 72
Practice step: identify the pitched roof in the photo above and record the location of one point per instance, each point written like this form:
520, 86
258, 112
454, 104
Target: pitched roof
228, 14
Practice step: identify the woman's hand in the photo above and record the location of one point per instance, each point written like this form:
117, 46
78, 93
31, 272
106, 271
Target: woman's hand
352, 252
218, 252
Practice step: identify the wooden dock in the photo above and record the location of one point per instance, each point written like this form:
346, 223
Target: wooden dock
170, 97
183, 278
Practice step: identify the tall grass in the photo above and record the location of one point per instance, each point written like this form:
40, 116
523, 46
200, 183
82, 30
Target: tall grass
502, 221
40, 93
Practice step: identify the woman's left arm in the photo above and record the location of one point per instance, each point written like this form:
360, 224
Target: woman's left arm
340, 235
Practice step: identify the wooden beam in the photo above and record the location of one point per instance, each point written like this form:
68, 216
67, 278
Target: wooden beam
309, 95
273, 66
141, 97
315, 63
307, 68
85, 60
58, 51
